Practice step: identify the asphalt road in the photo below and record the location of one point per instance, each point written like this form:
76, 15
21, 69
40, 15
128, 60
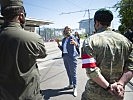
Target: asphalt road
54, 79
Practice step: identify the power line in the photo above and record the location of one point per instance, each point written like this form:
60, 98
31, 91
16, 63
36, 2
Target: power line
85, 13
73, 12
77, 11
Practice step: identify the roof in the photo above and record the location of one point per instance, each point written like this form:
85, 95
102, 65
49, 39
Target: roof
36, 23
31, 22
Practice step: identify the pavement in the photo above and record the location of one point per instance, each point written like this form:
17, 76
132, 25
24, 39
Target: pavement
54, 78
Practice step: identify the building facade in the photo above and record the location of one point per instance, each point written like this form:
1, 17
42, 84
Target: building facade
88, 25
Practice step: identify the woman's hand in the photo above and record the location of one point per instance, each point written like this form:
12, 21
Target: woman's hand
57, 40
73, 42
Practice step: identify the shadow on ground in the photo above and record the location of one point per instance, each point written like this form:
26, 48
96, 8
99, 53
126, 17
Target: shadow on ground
57, 58
55, 92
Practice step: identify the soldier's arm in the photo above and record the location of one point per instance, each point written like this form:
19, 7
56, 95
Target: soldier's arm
128, 70
42, 49
126, 77
96, 76
89, 62
35, 47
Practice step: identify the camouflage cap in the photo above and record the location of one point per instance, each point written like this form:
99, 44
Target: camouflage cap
10, 3
103, 15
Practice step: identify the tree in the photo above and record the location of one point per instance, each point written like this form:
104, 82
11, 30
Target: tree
122, 29
125, 8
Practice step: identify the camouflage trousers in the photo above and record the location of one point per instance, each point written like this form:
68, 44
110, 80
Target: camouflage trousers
95, 92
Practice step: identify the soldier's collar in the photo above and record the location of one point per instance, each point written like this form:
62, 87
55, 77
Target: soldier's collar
103, 29
12, 24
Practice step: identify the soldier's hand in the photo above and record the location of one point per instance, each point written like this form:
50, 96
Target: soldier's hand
113, 88
117, 89
120, 91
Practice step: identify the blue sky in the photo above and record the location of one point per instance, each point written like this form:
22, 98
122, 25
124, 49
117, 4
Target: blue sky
51, 10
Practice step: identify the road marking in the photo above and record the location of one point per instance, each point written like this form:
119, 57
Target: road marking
40, 68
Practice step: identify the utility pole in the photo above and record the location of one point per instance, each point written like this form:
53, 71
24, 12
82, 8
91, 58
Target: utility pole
89, 20
88, 11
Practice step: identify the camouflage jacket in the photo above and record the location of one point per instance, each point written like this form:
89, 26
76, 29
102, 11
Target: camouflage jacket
112, 53
19, 50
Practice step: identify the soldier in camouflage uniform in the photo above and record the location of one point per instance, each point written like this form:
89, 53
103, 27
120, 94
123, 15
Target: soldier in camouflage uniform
19, 49
107, 57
